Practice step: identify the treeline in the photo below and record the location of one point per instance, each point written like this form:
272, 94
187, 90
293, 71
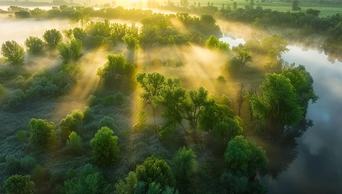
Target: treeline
308, 22
157, 30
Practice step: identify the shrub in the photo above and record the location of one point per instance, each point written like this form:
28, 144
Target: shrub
221, 79
22, 136
88, 114
105, 147
155, 170
71, 52
43, 134
74, 143
28, 163
106, 122
39, 174
184, 161
12, 164
19, 184
70, 123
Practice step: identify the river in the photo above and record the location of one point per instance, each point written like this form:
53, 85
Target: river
316, 169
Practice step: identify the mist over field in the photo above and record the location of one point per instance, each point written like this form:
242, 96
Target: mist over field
170, 97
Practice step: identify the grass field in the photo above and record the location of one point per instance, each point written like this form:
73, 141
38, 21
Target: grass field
326, 10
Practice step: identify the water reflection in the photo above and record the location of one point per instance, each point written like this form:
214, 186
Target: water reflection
310, 162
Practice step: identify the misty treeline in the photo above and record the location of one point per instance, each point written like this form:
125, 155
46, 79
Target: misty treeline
157, 30
180, 140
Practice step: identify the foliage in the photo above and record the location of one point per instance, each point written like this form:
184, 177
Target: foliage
105, 147
221, 79
72, 122
244, 158
28, 163
184, 162
172, 97
74, 143
214, 44
86, 180
302, 82
128, 185
194, 105
155, 170
52, 37
228, 127
244, 57
131, 41
116, 99
278, 103
106, 122
22, 136
34, 45
49, 84
116, 70
19, 184
71, 52
13, 53
42, 134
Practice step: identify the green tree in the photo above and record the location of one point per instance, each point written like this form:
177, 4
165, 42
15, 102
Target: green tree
228, 128
244, 158
105, 147
128, 185
34, 45
151, 85
172, 97
52, 37
302, 82
13, 52
155, 170
116, 70
19, 184
71, 52
214, 44
131, 41
275, 45
194, 105
244, 57
74, 143
43, 133
277, 105
184, 162
72, 122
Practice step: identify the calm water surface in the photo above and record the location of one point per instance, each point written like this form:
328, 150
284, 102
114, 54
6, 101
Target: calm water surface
317, 168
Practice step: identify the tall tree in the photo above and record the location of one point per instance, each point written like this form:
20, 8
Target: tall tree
13, 52
155, 170
52, 37
151, 85
277, 104
19, 184
105, 147
34, 45
71, 52
194, 104
43, 133
244, 158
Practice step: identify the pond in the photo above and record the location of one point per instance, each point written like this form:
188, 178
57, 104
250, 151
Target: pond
317, 166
